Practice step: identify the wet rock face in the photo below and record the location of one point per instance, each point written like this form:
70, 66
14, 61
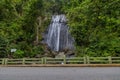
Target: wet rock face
60, 55
57, 36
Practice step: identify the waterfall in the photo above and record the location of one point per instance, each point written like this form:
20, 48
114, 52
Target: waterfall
57, 36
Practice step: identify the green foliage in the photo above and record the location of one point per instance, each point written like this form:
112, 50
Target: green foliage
18, 54
3, 47
95, 25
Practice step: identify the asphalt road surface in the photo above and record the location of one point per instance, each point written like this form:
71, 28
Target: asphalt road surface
59, 73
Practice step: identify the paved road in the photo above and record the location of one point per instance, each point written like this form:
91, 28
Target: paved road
59, 73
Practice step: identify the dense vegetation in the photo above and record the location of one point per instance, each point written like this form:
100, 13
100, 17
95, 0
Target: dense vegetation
95, 25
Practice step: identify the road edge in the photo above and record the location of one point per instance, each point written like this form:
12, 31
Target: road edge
64, 65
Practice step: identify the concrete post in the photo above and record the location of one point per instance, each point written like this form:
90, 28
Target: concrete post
64, 58
23, 62
88, 60
110, 59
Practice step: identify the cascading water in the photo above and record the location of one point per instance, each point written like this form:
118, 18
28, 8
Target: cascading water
57, 36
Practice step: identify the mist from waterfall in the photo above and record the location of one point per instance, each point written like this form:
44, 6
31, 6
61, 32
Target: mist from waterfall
57, 36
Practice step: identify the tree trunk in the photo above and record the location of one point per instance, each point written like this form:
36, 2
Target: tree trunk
38, 24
